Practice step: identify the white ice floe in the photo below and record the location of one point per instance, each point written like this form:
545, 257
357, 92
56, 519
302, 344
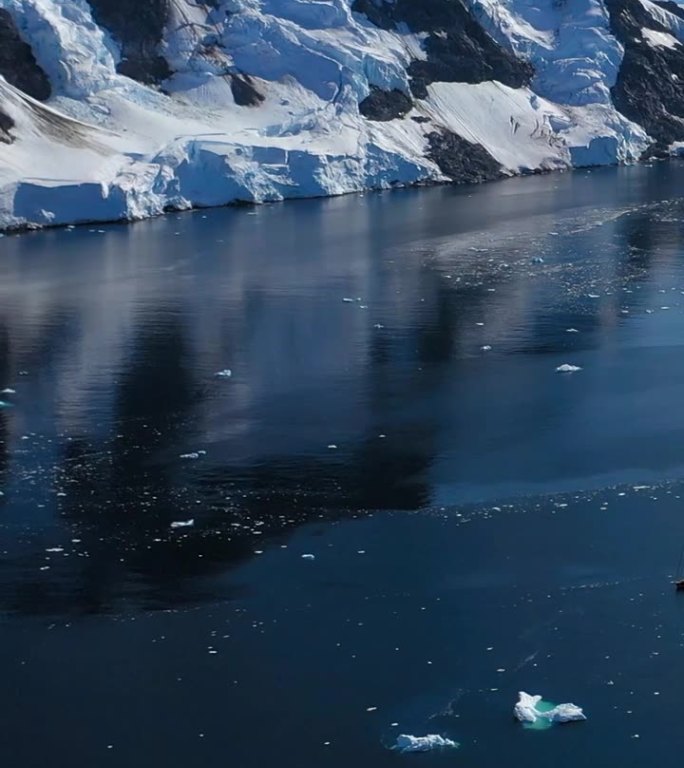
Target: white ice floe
183, 523
407, 743
533, 710
568, 368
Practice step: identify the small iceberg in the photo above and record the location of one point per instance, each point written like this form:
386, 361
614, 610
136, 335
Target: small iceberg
406, 743
568, 368
8, 391
183, 523
226, 373
536, 713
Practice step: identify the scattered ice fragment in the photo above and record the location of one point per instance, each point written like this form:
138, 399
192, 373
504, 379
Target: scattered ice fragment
332, 446
3, 404
54, 549
308, 556
8, 391
593, 295
572, 330
183, 523
568, 368
347, 300
406, 743
226, 373
378, 325
537, 260
371, 709
194, 455
485, 348
534, 712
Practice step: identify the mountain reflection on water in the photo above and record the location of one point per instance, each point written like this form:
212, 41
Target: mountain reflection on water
112, 340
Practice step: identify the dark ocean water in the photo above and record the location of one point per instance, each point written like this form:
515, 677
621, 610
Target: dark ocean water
480, 524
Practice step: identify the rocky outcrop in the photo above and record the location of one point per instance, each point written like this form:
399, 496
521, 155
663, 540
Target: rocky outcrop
458, 48
17, 63
385, 105
138, 27
650, 85
244, 91
461, 161
6, 125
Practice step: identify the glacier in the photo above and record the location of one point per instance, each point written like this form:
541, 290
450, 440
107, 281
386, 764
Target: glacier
124, 110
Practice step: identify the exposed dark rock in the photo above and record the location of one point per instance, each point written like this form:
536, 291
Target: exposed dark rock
460, 160
420, 119
650, 85
385, 105
458, 48
244, 91
6, 125
138, 27
17, 63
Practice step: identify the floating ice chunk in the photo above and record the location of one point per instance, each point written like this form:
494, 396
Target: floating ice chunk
3, 404
183, 523
407, 743
226, 373
486, 348
537, 260
533, 711
347, 300
54, 550
572, 330
308, 556
8, 391
568, 368
193, 456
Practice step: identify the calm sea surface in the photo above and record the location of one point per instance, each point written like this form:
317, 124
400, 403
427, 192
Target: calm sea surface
475, 523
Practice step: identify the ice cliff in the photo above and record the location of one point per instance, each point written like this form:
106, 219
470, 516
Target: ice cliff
123, 109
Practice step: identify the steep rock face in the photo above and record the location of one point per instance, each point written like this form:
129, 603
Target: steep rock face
17, 62
458, 49
385, 105
650, 85
138, 27
461, 161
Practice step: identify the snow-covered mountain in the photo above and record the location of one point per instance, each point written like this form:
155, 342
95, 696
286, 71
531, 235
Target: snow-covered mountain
121, 109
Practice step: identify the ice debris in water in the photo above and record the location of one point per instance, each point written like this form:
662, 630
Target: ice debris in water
568, 368
183, 523
308, 556
537, 260
486, 348
193, 456
226, 373
8, 391
407, 743
534, 712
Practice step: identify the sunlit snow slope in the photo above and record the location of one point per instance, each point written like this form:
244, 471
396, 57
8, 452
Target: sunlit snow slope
121, 109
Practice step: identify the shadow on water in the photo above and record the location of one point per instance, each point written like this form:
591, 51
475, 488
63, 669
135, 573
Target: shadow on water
429, 387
